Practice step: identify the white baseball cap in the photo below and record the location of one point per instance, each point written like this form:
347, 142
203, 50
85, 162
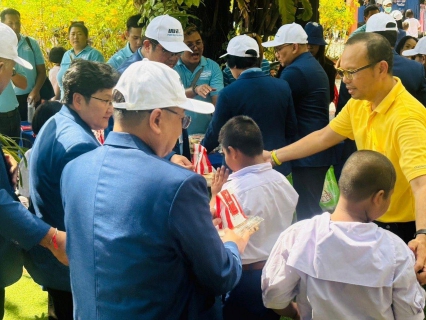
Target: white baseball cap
9, 46
397, 15
420, 48
288, 33
148, 85
168, 32
381, 22
386, 2
239, 45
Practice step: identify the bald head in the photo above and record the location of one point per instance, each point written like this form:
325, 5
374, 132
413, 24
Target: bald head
364, 174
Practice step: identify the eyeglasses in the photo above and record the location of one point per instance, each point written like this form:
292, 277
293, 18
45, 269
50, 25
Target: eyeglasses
171, 54
278, 49
349, 74
186, 120
107, 102
192, 45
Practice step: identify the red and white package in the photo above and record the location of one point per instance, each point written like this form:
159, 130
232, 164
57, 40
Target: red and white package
229, 210
200, 160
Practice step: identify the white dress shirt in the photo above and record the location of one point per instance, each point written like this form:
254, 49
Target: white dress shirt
342, 270
262, 191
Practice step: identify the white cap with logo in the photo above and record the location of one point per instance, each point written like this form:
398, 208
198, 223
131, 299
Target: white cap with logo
9, 46
288, 33
148, 85
420, 48
239, 45
381, 22
168, 32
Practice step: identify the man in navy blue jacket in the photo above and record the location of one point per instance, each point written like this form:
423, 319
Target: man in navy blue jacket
265, 99
18, 227
310, 90
141, 240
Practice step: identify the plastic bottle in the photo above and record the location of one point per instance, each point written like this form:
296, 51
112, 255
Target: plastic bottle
31, 111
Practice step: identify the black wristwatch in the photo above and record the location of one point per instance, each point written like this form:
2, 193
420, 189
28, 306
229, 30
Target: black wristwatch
13, 72
193, 90
421, 231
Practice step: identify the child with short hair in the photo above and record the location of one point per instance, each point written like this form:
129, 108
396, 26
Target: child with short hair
343, 266
261, 191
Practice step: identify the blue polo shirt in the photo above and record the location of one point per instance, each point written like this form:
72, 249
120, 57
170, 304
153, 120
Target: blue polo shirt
211, 75
35, 58
88, 53
8, 101
119, 57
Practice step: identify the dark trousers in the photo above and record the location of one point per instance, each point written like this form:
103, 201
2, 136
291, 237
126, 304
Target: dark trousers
2, 294
10, 124
62, 303
404, 230
23, 106
308, 182
245, 300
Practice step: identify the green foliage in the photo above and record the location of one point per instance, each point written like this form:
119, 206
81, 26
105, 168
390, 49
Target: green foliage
150, 9
48, 21
336, 17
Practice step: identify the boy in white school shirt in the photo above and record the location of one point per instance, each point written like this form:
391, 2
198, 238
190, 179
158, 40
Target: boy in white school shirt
343, 266
261, 191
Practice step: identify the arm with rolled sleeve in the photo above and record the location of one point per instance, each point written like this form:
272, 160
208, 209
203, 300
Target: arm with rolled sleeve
280, 282
216, 266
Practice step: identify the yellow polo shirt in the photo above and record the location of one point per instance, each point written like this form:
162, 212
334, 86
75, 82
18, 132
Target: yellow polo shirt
396, 129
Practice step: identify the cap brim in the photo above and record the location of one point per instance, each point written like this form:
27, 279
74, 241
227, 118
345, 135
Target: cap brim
272, 43
23, 63
317, 41
197, 106
408, 53
175, 46
224, 55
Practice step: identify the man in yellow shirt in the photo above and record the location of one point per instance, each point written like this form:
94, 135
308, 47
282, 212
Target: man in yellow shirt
384, 117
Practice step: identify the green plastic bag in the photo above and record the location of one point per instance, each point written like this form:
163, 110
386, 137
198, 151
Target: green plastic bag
330, 193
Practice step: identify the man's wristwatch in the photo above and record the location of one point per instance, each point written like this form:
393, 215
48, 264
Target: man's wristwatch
193, 90
13, 72
421, 231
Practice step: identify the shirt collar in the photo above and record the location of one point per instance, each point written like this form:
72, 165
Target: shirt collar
127, 140
71, 114
203, 63
388, 101
251, 169
127, 49
86, 48
249, 70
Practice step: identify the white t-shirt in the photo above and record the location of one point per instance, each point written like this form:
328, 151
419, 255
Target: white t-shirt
342, 270
413, 29
263, 191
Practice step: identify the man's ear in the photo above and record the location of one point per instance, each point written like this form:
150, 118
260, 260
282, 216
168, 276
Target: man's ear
146, 44
126, 34
155, 121
383, 67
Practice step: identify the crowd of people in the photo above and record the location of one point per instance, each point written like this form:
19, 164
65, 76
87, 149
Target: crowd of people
124, 228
